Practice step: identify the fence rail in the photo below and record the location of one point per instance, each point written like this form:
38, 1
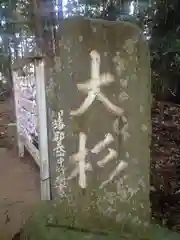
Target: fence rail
31, 119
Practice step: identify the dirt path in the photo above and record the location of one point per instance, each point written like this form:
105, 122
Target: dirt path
19, 180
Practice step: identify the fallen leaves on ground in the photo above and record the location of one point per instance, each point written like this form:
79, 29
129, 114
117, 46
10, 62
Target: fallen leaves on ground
165, 163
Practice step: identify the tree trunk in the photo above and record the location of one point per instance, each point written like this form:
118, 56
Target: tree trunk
37, 25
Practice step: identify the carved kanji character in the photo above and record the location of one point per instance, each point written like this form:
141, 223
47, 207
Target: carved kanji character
92, 88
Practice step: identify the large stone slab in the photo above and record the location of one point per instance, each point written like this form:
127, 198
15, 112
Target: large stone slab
99, 117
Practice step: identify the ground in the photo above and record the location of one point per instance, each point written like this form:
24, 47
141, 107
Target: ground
19, 179
165, 163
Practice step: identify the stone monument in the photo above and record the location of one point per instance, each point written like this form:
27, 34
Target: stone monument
99, 103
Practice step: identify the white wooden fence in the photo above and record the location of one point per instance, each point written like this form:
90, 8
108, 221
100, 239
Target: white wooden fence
31, 117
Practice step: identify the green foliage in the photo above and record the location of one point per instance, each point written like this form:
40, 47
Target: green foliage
90, 2
15, 25
165, 47
8, 14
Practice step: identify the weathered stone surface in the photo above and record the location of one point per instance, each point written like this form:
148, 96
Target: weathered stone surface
104, 68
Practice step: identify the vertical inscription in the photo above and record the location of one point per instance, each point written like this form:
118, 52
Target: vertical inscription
93, 90
59, 151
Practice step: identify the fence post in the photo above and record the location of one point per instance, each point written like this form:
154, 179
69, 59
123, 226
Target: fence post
42, 127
